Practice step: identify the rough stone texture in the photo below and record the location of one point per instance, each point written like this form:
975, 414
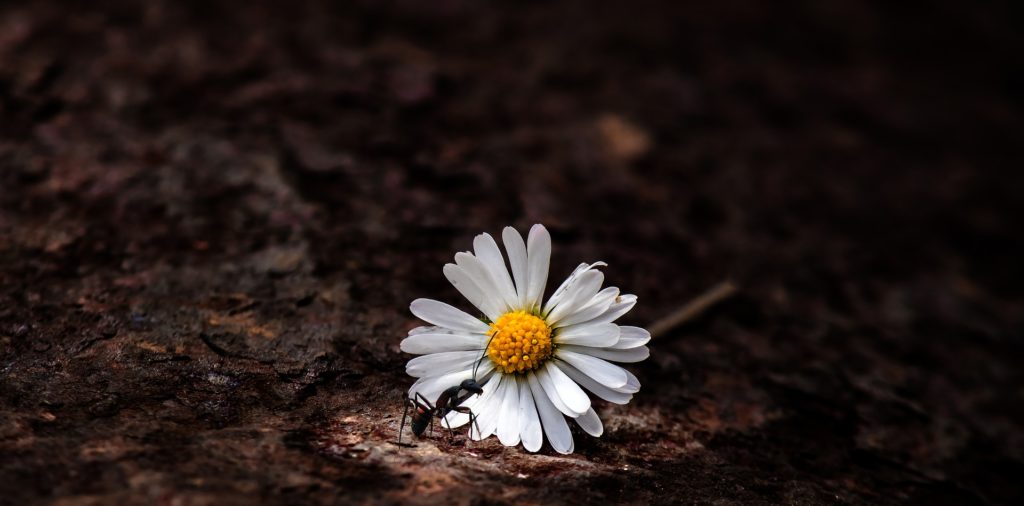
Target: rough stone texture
213, 218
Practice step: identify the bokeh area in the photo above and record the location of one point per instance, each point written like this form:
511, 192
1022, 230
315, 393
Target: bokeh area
214, 215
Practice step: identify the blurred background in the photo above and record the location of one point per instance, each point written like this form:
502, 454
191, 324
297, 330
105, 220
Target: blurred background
213, 217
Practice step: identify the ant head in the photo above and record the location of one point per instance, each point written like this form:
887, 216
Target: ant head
471, 385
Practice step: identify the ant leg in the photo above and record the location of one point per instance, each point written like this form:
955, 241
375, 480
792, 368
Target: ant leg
472, 418
424, 405
472, 423
446, 425
405, 412
424, 400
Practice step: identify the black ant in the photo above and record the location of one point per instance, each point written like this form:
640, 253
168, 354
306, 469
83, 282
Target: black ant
449, 401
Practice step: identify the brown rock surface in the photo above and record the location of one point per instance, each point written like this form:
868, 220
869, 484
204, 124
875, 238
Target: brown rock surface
213, 217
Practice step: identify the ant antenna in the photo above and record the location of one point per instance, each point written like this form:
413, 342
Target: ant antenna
476, 366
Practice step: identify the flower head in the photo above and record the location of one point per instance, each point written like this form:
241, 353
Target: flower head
533, 358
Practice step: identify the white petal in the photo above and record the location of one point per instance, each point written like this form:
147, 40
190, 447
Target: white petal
517, 260
551, 389
591, 423
559, 292
605, 334
572, 395
508, 419
576, 295
529, 422
486, 408
632, 384
488, 253
464, 283
608, 394
538, 247
621, 306
454, 419
555, 428
604, 298
438, 340
479, 274
437, 364
607, 374
578, 316
426, 329
582, 267
631, 355
444, 315
631, 337
597, 306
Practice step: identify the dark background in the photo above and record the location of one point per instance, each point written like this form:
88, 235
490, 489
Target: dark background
213, 218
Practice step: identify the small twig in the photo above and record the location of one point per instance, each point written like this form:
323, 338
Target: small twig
693, 309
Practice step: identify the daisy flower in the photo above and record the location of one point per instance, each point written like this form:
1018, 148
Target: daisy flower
535, 359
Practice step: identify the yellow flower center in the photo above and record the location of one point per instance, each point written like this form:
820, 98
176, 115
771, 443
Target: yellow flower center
521, 342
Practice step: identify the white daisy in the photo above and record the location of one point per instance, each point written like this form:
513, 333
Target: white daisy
540, 355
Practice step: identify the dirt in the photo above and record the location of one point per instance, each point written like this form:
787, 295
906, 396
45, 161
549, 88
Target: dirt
213, 217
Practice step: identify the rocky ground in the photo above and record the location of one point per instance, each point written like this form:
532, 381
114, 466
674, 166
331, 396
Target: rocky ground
213, 218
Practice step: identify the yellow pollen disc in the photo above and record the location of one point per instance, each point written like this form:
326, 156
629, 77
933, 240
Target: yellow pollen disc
521, 342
